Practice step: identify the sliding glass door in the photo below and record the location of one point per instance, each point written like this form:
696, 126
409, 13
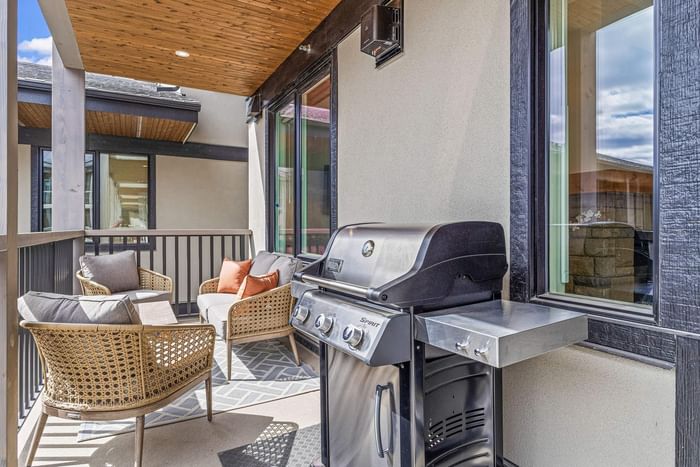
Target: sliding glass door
301, 169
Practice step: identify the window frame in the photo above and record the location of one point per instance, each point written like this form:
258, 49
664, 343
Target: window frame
326, 66
539, 184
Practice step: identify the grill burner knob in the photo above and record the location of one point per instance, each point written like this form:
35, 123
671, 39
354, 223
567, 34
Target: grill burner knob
353, 335
301, 313
324, 323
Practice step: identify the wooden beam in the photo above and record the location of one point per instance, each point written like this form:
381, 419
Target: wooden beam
8, 229
42, 137
68, 146
56, 16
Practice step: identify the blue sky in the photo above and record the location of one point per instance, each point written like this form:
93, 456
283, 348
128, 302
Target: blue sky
33, 37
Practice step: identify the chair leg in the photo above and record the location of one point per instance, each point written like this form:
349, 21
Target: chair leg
207, 384
38, 430
138, 452
229, 351
293, 343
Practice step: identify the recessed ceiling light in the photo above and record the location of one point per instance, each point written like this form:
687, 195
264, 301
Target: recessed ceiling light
182, 53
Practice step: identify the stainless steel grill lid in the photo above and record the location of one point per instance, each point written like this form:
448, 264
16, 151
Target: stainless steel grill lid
426, 266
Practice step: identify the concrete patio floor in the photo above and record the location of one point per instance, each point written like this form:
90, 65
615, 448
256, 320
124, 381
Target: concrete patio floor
189, 443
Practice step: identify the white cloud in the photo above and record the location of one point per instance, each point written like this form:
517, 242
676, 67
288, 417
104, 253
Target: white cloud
38, 45
35, 50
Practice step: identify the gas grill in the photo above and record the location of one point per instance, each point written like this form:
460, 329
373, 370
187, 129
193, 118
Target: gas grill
413, 333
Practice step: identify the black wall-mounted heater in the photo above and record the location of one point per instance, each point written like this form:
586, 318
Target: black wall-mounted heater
380, 30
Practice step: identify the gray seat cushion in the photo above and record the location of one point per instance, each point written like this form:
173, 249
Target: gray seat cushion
265, 263
206, 301
218, 316
77, 309
146, 295
117, 272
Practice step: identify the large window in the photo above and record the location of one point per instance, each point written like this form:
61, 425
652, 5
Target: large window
43, 217
123, 191
601, 150
301, 157
117, 191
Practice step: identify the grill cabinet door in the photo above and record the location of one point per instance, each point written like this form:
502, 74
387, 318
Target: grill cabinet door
352, 393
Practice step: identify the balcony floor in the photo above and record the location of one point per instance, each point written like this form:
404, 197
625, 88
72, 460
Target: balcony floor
188, 443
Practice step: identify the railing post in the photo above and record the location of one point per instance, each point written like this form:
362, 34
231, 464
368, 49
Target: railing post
9, 396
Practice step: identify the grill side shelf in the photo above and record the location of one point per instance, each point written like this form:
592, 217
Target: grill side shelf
500, 333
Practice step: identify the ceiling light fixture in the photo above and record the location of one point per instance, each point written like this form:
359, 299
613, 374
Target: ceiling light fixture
182, 53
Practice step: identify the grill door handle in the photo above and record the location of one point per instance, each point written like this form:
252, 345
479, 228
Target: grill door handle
378, 419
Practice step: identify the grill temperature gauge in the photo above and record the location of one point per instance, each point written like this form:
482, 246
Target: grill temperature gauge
352, 335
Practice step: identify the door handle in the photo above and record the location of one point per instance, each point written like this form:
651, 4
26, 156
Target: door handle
378, 419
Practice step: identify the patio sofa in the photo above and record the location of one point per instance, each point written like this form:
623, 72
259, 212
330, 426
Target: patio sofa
100, 362
260, 317
118, 273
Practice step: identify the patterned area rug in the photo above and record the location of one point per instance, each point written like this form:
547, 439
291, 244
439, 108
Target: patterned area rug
261, 372
280, 445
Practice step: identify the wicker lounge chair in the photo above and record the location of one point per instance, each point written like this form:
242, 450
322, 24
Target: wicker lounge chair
148, 280
257, 318
111, 372
120, 274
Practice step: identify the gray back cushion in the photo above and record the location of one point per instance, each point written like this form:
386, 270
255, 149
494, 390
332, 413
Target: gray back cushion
265, 263
286, 266
117, 272
56, 308
261, 263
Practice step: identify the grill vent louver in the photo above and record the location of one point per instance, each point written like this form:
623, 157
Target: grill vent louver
455, 425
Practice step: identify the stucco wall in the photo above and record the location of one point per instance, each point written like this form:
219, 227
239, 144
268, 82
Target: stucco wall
221, 120
201, 193
581, 408
256, 183
425, 139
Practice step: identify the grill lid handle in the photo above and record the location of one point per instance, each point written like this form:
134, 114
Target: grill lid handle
344, 287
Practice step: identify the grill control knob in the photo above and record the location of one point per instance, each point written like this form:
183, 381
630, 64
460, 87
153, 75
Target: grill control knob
301, 313
353, 335
324, 323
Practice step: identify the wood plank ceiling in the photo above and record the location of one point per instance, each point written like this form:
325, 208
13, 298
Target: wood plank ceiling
112, 124
234, 45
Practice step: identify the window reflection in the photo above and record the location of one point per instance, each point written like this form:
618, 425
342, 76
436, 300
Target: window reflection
284, 179
601, 130
123, 191
315, 166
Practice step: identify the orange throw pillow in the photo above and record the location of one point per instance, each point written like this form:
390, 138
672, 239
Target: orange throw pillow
253, 285
232, 275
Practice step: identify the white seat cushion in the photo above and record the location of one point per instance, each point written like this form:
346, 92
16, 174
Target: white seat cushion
146, 295
218, 316
207, 300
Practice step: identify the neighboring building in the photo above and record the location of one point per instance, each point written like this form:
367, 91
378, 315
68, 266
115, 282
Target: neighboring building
143, 146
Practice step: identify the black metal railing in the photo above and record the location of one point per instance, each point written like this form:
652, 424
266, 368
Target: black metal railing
189, 257
45, 264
